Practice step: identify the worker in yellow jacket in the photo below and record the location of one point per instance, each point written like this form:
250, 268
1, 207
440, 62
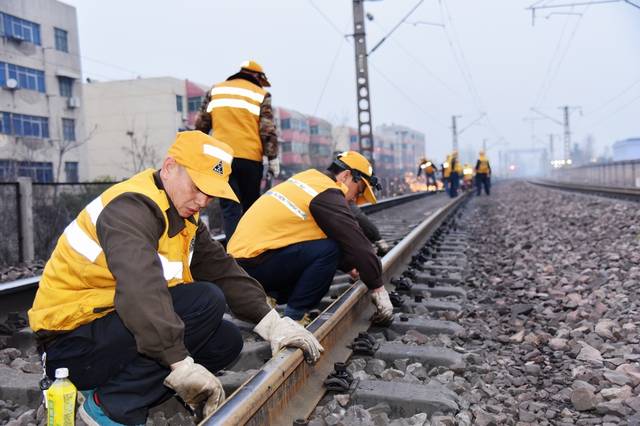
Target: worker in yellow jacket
240, 114
455, 174
131, 300
298, 233
429, 168
483, 174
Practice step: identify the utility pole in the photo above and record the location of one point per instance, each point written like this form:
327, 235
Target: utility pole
551, 153
454, 131
365, 128
567, 136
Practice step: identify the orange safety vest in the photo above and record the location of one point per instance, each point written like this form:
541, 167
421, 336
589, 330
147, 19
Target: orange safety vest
281, 216
235, 113
77, 286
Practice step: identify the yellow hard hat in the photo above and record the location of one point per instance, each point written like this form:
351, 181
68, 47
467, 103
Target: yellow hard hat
206, 160
251, 65
360, 168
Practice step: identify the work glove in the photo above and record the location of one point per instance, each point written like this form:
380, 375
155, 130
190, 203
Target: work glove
384, 308
274, 167
382, 246
195, 385
286, 332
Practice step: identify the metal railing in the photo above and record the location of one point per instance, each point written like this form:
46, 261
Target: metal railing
623, 174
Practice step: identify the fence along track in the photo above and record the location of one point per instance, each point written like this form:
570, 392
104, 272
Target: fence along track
286, 387
609, 191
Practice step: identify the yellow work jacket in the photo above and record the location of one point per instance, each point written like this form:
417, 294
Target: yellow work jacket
483, 167
235, 113
281, 216
77, 286
457, 167
446, 167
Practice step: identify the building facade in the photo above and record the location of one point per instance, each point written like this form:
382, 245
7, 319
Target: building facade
42, 132
133, 122
627, 149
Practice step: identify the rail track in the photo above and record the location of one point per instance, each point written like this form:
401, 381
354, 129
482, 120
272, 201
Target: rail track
286, 389
625, 193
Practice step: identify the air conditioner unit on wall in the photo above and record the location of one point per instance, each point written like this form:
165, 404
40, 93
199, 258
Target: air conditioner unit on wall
73, 103
11, 84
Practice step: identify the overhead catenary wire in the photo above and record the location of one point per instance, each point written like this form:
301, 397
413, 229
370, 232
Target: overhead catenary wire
384, 38
611, 100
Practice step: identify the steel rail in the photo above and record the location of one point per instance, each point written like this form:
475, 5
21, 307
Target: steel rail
287, 388
610, 191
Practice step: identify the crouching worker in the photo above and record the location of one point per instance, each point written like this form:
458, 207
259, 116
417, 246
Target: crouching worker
132, 298
298, 233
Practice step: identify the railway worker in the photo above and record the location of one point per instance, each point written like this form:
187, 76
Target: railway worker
132, 298
430, 170
483, 174
239, 112
467, 176
446, 174
454, 174
297, 234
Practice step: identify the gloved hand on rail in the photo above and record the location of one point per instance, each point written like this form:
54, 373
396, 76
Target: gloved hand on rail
286, 332
382, 247
274, 167
195, 385
384, 308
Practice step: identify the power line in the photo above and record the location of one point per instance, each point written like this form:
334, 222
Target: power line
396, 27
613, 99
606, 118
329, 74
326, 18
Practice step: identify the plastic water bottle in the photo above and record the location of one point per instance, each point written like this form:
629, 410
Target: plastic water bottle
61, 400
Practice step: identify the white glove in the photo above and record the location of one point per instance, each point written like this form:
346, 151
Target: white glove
286, 332
274, 167
382, 246
195, 385
384, 308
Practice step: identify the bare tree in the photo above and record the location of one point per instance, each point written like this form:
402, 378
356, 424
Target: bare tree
142, 153
63, 147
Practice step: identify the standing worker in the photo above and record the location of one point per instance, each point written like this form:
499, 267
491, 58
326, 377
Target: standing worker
430, 170
132, 298
297, 234
446, 174
239, 112
467, 176
454, 175
483, 174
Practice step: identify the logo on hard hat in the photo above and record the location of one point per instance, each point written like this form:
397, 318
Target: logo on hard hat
219, 168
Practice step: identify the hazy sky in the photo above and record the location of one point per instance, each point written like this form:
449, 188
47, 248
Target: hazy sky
487, 58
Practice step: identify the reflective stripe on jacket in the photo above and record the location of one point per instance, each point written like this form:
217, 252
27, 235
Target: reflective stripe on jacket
77, 286
281, 216
235, 113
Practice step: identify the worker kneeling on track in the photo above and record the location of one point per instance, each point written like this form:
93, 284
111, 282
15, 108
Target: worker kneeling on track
298, 233
133, 295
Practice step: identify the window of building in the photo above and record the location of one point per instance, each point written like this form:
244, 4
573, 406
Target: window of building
314, 130
71, 171
38, 171
193, 103
20, 29
179, 103
68, 129
66, 86
285, 124
62, 43
27, 78
24, 125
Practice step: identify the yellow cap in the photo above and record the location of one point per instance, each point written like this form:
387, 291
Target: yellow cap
356, 161
251, 65
207, 160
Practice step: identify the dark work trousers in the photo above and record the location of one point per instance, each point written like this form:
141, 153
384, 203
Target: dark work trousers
102, 354
245, 179
430, 179
454, 179
483, 180
298, 275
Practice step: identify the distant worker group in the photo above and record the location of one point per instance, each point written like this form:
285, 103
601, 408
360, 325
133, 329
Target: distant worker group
455, 175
